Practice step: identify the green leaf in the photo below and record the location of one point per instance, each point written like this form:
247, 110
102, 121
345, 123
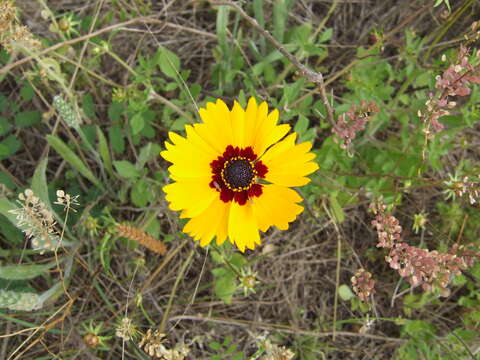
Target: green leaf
5, 207
24, 272
238, 356
106, 245
326, 35
227, 341
238, 260
302, 125
337, 209
222, 26
345, 292
89, 106
169, 62
5, 126
117, 140
12, 234
126, 169
28, 118
148, 152
231, 349
115, 111
9, 146
39, 181
225, 288
214, 345
20, 301
39, 184
104, 151
140, 193
280, 13
27, 92
137, 123
67, 154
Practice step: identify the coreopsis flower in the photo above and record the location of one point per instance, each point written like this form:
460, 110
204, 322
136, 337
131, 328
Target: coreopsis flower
233, 174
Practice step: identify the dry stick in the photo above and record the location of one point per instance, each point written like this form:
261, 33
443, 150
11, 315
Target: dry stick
313, 76
282, 328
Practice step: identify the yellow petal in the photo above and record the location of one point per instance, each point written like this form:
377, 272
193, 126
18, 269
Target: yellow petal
277, 206
250, 122
238, 125
180, 151
216, 128
191, 196
289, 163
242, 226
212, 222
267, 131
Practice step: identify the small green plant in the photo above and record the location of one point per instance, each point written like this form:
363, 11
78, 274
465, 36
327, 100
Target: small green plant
225, 350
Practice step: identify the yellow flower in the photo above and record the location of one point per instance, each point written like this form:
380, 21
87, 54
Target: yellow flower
233, 172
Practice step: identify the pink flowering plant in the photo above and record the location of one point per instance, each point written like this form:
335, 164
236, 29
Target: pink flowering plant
432, 270
454, 82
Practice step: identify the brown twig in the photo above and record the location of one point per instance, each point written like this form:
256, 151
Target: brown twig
310, 75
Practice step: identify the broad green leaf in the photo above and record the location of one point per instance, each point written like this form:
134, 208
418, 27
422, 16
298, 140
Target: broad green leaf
12, 234
27, 92
326, 35
20, 301
126, 169
5, 126
169, 62
89, 106
302, 125
147, 153
5, 207
137, 123
225, 287
115, 111
69, 156
24, 272
27, 118
214, 345
140, 193
116, 139
345, 292
9, 146
238, 260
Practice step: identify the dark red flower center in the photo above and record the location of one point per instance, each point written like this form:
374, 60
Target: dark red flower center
235, 174
238, 174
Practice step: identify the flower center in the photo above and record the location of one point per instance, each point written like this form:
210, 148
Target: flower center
238, 173
235, 173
